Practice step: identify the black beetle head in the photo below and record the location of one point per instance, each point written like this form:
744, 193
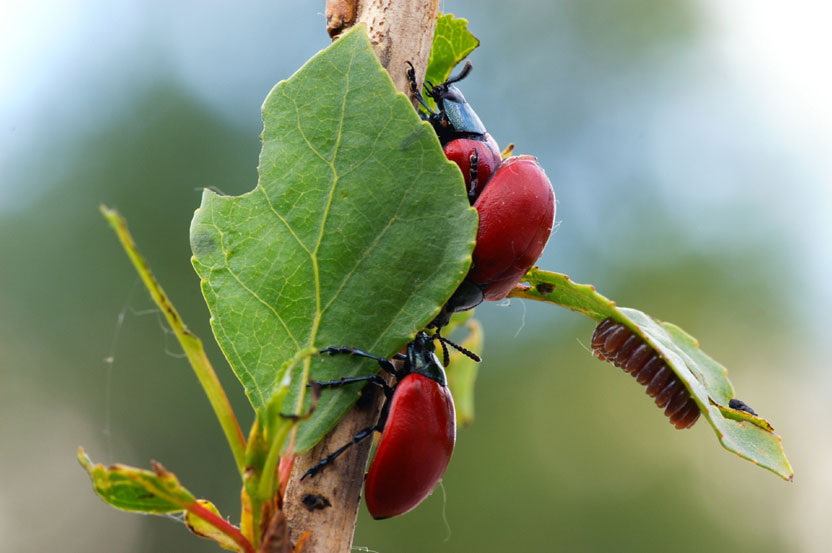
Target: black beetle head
447, 91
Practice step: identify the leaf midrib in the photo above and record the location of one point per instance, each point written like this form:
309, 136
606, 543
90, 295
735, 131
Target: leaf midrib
313, 255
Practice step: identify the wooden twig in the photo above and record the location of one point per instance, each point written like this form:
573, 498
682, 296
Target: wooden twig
399, 30
339, 485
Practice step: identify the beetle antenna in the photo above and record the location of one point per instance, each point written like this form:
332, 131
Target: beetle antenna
466, 352
462, 74
446, 357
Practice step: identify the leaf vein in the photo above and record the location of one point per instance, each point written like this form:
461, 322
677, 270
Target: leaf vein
284, 221
254, 294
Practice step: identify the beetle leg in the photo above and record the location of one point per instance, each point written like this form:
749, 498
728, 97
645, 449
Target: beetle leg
473, 162
385, 364
422, 101
414, 88
366, 433
411, 78
343, 381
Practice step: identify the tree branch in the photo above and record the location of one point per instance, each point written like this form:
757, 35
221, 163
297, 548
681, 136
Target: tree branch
399, 30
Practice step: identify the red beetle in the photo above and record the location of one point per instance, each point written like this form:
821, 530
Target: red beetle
417, 425
517, 212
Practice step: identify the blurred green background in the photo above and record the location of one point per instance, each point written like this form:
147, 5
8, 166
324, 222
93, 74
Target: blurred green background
689, 143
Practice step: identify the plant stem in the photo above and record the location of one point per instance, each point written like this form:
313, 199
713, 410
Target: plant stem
399, 31
191, 344
267, 485
222, 525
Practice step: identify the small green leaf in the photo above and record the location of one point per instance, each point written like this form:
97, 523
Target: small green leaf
159, 492
462, 374
156, 492
452, 42
751, 437
204, 529
357, 232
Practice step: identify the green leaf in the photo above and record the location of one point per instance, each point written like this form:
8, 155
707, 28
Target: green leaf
159, 492
452, 42
462, 374
751, 437
357, 232
155, 492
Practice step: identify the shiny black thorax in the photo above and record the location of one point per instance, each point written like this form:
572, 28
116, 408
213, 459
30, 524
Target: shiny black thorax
454, 117
421, 359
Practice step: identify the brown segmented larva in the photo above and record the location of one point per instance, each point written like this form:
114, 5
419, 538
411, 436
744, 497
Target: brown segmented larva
614, 342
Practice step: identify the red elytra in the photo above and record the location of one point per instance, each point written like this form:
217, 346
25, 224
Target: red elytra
517, 212
487, 152
415, 447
